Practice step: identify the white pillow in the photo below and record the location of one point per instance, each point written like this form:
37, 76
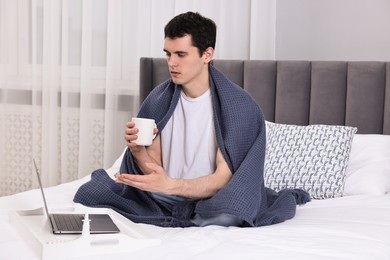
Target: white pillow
313, 158
114, 169
368, 171
118, 162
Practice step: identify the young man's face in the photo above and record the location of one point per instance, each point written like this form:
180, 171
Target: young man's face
186, 66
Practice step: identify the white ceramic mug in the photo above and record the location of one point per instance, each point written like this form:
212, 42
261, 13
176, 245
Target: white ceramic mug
145, 128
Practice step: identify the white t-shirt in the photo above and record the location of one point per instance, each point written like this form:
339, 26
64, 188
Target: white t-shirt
188, 140
189, 149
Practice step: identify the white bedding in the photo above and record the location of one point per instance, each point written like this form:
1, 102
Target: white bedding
350, 227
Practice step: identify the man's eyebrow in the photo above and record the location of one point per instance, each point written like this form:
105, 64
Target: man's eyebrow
175, 52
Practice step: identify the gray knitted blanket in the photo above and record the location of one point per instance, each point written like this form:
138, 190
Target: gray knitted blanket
240, 133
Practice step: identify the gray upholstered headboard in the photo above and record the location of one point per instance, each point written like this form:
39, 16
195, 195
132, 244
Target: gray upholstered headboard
303, 92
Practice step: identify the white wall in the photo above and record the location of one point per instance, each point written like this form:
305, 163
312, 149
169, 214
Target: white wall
262, 31
333, 30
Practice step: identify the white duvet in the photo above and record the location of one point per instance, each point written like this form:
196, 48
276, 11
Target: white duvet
351, 227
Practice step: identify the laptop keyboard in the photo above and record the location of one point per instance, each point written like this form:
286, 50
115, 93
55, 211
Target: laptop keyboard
69, 222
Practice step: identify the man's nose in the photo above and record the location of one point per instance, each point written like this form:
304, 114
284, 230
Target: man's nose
171, 61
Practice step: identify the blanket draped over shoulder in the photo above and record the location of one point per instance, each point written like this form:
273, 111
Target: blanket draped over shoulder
240, 134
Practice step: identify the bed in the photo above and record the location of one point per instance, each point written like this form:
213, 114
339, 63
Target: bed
349, 215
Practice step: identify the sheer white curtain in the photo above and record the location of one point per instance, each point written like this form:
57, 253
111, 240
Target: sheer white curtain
69, 75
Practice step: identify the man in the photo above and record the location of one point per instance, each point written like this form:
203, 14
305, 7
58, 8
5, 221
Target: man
205, 165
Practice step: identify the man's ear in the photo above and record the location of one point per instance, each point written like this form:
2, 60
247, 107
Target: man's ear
208, 54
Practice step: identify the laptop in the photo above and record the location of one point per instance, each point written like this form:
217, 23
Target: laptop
73, 223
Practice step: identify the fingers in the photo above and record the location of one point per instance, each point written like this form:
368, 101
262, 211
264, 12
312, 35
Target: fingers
130, 132
156, 181
125, 177
130, 124
136, 181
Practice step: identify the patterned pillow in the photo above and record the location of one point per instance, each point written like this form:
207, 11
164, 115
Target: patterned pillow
313, 158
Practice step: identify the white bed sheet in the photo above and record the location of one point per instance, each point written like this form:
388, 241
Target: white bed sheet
352, 227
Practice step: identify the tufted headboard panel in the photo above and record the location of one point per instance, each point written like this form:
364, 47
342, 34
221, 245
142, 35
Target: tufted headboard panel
303, 92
